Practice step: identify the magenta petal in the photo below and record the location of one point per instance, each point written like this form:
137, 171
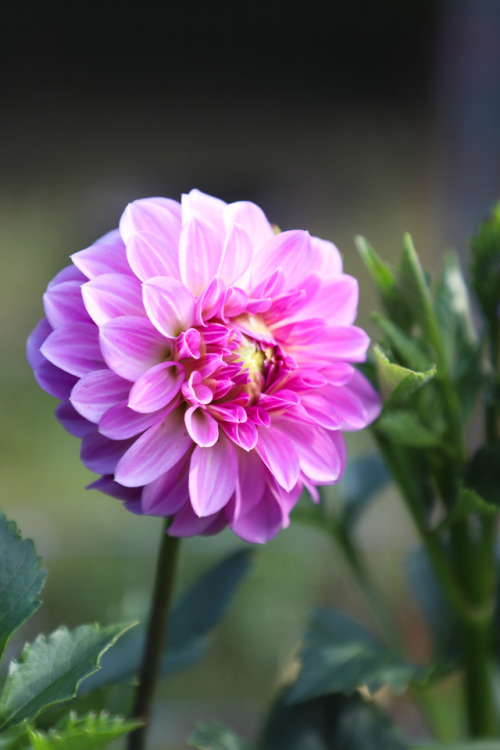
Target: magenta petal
187, 523
289, 251
107, 255
250, 485
96, 392
121, 422
157, 387
321, 453
150, 255
169, 304
202, 427
336, 300
188, 344
326, 259
154, 452
74, 348
212, 476
236, 255
251, 218
278, 453
200, 251
131, 345
100, 454
111, 295
262, 522
63, 304
167, 494
157, 216
245, 434
72, 421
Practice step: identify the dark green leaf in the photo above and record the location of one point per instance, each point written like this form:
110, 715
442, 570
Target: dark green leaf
51, 668
483, 473
385, 283
339, 655
405, 428
21, 580
413, 287
15, 738
406, 348
363, 478
469, 503
92, 732
332, 722
467, 745
485, 266
216, 737
193, 616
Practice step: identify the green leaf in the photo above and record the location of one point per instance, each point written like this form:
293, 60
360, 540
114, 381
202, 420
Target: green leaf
51, 668
92, 732
406, 348
453, 313
216, 737
15, 738
398, 383
470, 745
485, 266
21, 580
193, 616
413, 287
405, 428
469, 503
339, 655
332, 722
363, 478
482, 473
385, 283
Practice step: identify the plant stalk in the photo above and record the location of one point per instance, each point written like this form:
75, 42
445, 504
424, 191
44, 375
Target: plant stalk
155, 637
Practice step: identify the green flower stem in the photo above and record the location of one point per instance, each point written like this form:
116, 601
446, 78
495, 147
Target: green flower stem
155, 638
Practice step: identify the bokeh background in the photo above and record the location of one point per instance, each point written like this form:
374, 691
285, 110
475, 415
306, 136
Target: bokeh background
352, 117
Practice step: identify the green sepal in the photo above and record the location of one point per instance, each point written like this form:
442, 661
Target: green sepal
398, 383
91, 732
21, 580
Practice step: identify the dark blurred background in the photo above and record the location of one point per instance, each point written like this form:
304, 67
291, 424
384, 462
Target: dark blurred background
352, 117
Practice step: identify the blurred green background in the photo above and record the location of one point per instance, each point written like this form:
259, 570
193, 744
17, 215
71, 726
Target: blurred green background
377, 118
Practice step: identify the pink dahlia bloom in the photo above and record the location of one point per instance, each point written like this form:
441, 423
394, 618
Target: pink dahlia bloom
206, 364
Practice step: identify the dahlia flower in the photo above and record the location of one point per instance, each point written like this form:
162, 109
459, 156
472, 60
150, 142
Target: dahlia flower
206, 363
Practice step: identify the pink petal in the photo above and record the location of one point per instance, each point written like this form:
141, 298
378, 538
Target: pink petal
195, 391
96, 392
321, 453
212, 477
157, 387
188, 344
326, 259
278, 453
158, 216
250, 485
112, 295
150, 255
169, 305
72, 421
121, 422
131, 345
262, 522
167, 494
63, 304
198, 205
244, 434
290, 252
200, 251
74, 348
211, 301
107, 255
252, 219
336, 301
202, 427
154, 452
236, 255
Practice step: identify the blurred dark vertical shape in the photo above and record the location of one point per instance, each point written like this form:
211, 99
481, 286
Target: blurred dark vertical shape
468, 117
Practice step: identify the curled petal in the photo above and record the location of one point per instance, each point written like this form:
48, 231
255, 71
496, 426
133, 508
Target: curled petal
202, 427
157, 387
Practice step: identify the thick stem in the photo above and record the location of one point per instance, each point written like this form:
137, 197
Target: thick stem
155, 637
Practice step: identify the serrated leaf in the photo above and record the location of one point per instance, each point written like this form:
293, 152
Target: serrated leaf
21, 580
340, 655
407, 349
363, 478
50, 670
398, 383
92, 732
216, 737
332, 722
405, 428
193, 616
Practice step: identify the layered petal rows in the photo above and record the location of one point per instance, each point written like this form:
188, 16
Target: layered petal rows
206, 363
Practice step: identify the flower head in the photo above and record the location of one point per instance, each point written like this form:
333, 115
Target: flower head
206, 363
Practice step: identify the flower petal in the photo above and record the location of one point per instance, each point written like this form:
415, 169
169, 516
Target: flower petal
107, 255
262, 522
121, 422
154, 452
150, 255
198, 205
96, 392
280, 456
74, 348
100, 454
169, 305
326, 259
202, 427
63, 304
167, 494
112, 295
131, 345
289, 251
251, 218
212, 476
158, 216
187, 523
72, 421
200, 251
157, 387
236, 255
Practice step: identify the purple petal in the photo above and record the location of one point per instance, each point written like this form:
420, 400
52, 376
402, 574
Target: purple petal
150, 255
167, 494
154, 452
131, 345
250, 485
96, 392
108, 485
35, 340
72, 421
55, 381
200, 251
198, 205
120, 421
262, 522
212, 476
169, 305
158, 216
279, 455
107, 255
100, 454
112, 295
202, 427
187, 523
63, 304
252, 219
245, 434
74, 348
236, 255
157, 387
321, 453
68, 273
195, 391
